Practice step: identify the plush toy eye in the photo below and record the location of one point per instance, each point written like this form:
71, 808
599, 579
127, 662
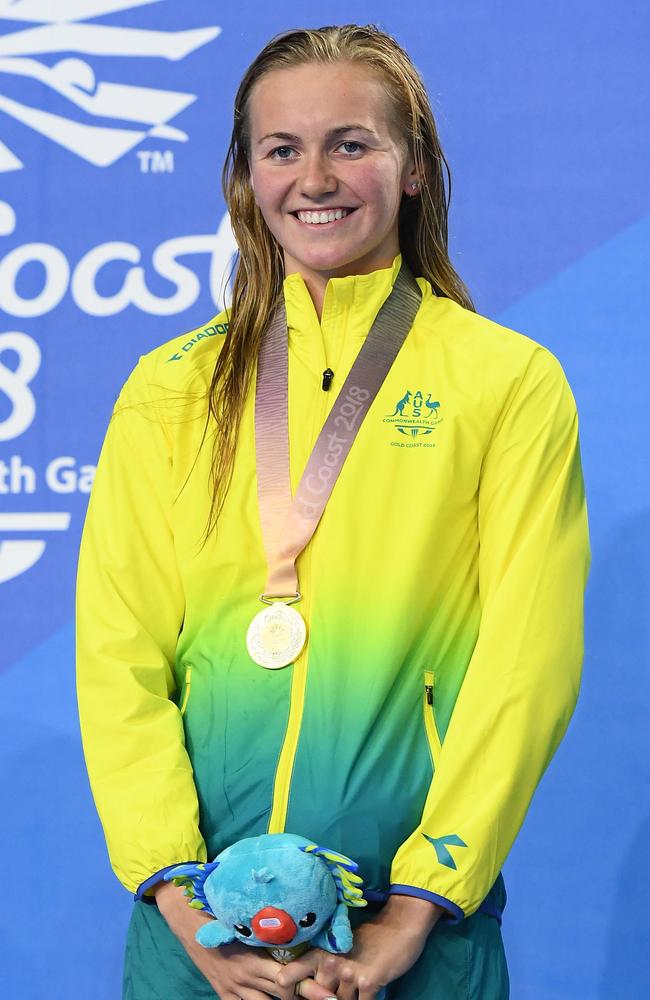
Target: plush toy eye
308, 920
243, 929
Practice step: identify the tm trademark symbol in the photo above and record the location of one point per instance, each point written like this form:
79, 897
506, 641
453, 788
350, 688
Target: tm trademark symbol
156, 161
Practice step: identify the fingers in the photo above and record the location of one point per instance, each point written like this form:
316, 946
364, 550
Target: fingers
347, 988
247, 994
311, 990
329, 983
305, 967
236, 972
328, 973
372, 992
347, 991
271, 989
262, 973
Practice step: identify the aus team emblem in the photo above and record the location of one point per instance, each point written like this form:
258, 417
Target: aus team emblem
415, 415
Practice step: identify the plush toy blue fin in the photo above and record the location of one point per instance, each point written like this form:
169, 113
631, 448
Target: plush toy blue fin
192, 878
343, 872
214, 934
336, 936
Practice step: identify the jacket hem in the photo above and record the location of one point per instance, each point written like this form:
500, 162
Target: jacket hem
149, 883
491, 911
455, 914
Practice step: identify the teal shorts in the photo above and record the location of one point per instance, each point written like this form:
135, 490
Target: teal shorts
464, 961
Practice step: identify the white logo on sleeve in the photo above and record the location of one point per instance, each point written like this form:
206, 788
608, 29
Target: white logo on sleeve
144, 111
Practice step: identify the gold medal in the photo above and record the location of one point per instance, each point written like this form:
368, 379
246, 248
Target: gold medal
276, 636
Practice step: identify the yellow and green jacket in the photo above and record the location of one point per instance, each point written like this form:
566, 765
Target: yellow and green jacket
442, 590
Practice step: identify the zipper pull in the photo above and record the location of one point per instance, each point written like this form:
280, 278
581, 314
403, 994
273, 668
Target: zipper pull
328, 375
429, 693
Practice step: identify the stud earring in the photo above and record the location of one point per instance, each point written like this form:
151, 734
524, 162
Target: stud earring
414, 186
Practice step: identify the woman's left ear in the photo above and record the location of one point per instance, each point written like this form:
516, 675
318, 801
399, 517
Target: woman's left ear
412, 186
412, 182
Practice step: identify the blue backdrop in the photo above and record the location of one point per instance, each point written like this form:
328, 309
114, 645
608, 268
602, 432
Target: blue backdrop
114, 119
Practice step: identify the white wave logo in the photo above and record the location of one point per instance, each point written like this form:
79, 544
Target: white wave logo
16, 556
60, 30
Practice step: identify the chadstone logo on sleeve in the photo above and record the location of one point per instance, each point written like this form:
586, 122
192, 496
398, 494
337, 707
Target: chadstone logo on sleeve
93, 105
415, 417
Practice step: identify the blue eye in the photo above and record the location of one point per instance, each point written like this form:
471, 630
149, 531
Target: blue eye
351, 142
281, 149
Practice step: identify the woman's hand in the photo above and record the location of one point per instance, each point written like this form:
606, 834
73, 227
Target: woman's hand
235, 972
384, 949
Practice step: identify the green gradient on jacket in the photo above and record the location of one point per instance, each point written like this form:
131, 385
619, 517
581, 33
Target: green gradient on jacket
459, 551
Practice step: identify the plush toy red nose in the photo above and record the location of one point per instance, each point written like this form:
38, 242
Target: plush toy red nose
273, 925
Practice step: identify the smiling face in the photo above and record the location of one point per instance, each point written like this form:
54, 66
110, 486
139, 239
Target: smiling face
328, 168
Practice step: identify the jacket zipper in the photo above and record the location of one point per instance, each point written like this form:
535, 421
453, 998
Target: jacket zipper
433, 738
284, 768
187, 684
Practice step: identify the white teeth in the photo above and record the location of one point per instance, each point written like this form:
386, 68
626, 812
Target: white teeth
318, 217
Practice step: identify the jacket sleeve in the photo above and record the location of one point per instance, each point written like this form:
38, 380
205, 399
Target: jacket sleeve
522, 681
130, 608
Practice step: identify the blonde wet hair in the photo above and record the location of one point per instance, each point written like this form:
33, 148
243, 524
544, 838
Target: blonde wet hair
259, 273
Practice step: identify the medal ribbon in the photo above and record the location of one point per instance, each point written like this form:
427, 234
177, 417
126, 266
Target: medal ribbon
288, 524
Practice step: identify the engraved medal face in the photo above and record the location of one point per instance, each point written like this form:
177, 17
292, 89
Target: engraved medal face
276, 636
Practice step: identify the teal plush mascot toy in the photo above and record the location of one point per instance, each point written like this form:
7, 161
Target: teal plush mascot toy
278, 891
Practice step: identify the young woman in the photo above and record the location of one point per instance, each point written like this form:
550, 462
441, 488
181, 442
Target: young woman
423, 580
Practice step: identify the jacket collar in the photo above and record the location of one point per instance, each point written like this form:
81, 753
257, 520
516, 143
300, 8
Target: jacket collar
349, 307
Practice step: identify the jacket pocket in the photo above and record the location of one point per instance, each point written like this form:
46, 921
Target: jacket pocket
428, 707
185, 690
